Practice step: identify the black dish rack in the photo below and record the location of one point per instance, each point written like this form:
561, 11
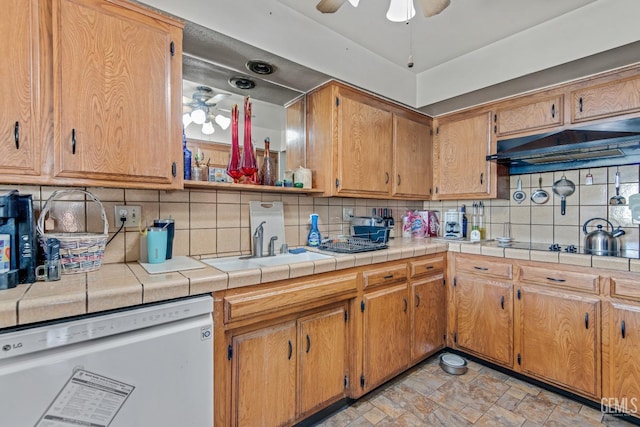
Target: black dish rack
352, 245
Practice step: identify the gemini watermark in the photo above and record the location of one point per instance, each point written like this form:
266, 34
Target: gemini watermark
624, 406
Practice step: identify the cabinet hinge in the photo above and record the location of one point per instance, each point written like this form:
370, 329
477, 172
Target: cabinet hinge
346, 316
519, 294
229, 352
519, 359
455, 281
174, 169
337, 101
455, 337
431, 132
437, 131
172, 48
444, 281
346, 381
362, 306
444, 338
362, 380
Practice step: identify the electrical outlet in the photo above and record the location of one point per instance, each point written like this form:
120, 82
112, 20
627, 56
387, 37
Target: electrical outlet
347, 214
131, 212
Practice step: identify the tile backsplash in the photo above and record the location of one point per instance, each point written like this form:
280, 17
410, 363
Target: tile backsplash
543, 223
216, 222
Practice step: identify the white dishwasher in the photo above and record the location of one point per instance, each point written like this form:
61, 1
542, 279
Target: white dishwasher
150, 366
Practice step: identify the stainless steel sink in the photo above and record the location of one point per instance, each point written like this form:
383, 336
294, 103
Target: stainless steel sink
242, 263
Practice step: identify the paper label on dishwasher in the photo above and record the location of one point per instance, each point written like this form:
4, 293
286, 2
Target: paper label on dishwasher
87, 399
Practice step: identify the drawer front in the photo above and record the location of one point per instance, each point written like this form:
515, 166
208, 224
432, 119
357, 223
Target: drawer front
385, 275
426, 267
587, 282
625, 288
279, 299
485, 268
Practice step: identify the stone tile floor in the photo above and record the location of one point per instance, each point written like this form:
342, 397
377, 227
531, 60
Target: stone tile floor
428, 396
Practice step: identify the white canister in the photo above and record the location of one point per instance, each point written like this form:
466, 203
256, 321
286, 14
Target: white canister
303, 175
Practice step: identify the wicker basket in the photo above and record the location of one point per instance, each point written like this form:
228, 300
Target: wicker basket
79, 252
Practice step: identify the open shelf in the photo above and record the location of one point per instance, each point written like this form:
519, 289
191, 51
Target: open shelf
206, 185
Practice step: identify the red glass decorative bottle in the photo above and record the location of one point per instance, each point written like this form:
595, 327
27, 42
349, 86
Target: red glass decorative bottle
249, 165
233, 168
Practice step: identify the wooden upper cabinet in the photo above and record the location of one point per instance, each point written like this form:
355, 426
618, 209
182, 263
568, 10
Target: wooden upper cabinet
532, 116
413, 158
461, 146
364, 146
606, 100
20, 144
354, 140
117, 86
560, 339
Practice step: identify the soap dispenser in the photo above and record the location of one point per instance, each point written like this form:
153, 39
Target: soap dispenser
314, 238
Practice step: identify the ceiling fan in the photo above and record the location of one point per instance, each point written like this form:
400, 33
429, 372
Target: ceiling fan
429, 7
198, 109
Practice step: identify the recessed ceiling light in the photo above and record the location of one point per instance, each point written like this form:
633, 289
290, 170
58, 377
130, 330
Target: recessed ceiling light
242, 83
260, 67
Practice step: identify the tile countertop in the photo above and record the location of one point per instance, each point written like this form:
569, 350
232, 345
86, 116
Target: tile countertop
116, 286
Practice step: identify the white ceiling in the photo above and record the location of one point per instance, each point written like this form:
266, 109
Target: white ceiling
465, 26
473, 52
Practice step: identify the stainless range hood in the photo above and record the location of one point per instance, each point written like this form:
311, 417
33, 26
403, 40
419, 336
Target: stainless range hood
606, 144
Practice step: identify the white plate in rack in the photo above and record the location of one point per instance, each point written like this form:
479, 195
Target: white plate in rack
504, 239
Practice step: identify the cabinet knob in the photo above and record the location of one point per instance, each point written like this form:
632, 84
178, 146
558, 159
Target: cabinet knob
502, 302
553, 110
290, 350
580, 104
586, 320
623, 330
417, 300
386, 181
482, 178
308, 343
406, 305
16, 135
398, 179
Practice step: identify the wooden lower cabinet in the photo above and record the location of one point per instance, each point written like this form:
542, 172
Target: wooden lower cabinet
484, 318
622, 372
428, 317
560, 338
386, 337
322, 359
264, 376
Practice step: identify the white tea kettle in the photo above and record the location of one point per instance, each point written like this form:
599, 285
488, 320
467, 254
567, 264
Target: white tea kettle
602, 242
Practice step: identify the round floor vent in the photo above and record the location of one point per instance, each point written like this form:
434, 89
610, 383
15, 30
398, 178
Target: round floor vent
453, 364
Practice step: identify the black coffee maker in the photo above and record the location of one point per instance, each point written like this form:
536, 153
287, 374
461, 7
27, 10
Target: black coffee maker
17, 221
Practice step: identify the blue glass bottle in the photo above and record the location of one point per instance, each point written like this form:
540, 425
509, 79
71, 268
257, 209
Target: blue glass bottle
187, 156
314, 237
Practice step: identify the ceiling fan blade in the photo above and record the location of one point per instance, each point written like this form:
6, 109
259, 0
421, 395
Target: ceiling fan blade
217, 98
433, 7
329, 6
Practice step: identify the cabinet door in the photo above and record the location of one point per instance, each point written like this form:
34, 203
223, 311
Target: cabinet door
322, 358
461, 148
543, 114
386, 348
364, 146
264, 377
19, 82
116, 88
559, 338
484, 318
624, 366
609, 99
412, 155
428, 317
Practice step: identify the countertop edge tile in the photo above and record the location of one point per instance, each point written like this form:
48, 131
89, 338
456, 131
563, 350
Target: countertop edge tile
575, 259
514, 253
9, 299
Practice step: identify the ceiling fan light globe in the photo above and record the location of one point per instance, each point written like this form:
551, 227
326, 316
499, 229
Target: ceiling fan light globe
198, 116
223, 121
186, 119
401, 10
207, 128
354, 3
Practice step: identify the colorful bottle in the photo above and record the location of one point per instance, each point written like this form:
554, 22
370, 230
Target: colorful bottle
314, 238
267, 173
186, 153
463, 209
